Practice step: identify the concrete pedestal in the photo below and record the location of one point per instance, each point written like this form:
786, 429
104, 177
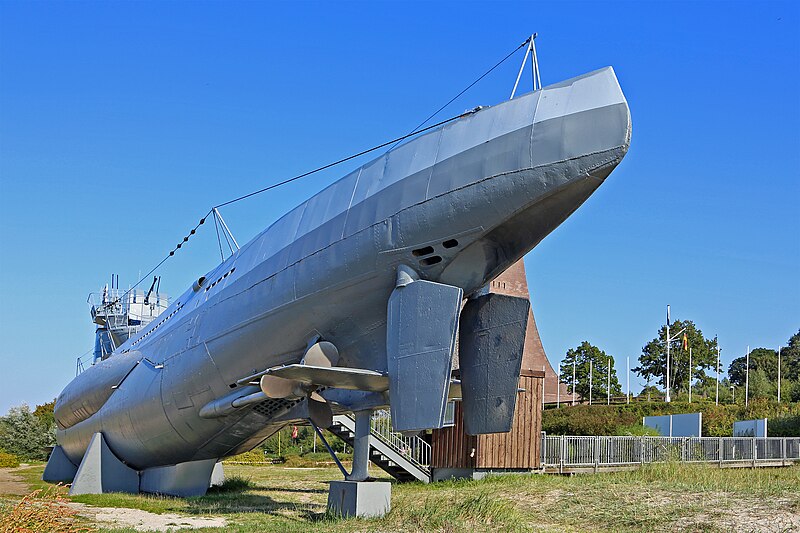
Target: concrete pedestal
59, 468
183, 479
359, 498
101, 471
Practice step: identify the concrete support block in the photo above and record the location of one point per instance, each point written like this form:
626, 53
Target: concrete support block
217, 476
359, 498
100, 471
183, 479
59, 468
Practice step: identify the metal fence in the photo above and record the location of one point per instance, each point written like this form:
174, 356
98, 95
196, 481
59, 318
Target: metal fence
573, 452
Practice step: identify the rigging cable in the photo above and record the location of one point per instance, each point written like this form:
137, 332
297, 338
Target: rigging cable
468, 87
340, 161
393, 142
219, 240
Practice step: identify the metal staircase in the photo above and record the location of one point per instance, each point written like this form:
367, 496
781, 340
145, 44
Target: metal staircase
403, 458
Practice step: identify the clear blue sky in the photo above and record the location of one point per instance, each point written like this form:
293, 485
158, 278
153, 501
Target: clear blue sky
122, 123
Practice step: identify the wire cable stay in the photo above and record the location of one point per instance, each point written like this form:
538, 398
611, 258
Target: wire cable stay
468, 87
214, 211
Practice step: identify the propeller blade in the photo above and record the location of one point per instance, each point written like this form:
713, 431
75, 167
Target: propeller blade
319, 411
322, 354
277, 388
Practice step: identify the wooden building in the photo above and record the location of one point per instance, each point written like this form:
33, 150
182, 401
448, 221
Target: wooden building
456, 454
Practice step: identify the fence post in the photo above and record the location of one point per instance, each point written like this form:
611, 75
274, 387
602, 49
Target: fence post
720, 452
641, 451
543, 451
596, 453
562, 451
783, 451
755, 453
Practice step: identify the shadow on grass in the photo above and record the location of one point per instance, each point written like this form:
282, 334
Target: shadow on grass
240, 495
299, 491
233, 503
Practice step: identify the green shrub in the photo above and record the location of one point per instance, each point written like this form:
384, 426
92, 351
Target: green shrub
253, 457
25, 435
787, 426
8, 460
717, 419
636, 430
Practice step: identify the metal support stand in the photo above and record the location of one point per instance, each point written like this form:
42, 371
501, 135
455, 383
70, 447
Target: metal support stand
357, 496
361, 447
328, 447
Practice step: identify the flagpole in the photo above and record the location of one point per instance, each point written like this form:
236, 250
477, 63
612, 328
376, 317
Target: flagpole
544, 373
690, 374
591, 370
779, 374
716, 402
574, 382
628, 380
558, 387
747, 377
608, 387
667, 397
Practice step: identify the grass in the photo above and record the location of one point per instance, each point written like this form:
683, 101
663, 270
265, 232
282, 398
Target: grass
667, 496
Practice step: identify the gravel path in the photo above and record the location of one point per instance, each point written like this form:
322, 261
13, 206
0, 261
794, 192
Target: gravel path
144, 520
11, 484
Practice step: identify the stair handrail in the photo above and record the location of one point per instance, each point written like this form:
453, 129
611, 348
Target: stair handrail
413, 448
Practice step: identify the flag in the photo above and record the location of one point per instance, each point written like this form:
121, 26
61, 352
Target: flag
294, 432
667, 316
685, 342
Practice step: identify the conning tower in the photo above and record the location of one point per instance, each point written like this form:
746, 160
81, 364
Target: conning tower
120, 314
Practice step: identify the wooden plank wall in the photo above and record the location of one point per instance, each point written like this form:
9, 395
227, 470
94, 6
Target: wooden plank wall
519, 448
451, 447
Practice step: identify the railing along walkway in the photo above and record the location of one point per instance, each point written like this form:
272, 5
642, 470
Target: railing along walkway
577, 453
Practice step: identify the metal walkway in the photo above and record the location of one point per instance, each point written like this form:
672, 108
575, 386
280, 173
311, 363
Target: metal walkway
403, 458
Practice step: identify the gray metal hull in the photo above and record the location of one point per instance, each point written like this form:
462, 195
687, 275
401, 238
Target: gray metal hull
491, 185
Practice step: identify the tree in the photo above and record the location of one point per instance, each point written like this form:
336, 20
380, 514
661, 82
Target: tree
650, 392
790, 358
762, 359
24, 435
761, 386
653, 361
45, 411
583, 355
764, 362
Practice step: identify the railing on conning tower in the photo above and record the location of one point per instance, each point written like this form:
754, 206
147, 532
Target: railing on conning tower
119, 314
116, 303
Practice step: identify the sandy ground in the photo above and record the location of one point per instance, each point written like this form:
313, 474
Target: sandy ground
750, 515
143, 520
12, 484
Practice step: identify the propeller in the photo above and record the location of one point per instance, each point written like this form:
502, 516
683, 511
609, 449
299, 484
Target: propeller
322, 353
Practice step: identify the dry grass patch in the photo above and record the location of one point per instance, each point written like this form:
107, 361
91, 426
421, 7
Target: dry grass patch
43, 510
